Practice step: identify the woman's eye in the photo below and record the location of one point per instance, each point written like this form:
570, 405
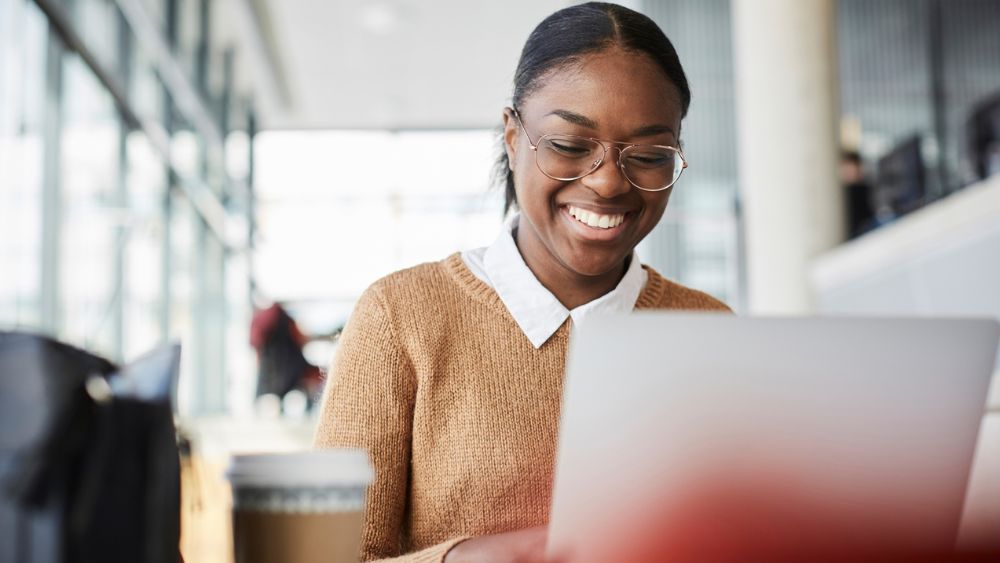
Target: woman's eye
568, 148
649, 160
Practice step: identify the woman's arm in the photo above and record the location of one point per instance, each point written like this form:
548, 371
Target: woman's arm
521, 546
368, 404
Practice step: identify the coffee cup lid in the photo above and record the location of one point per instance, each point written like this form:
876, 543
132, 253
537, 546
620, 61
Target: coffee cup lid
313, 468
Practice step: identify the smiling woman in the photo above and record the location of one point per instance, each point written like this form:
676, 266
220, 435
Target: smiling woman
450, 373
576, 260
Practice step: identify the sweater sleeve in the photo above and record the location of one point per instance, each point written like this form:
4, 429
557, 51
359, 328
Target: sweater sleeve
368, 404
432, 554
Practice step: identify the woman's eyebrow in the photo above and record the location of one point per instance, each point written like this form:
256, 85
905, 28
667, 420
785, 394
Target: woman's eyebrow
575, 118
584, 121
651, 130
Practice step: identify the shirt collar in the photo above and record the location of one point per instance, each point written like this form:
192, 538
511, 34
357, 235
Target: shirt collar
536, 311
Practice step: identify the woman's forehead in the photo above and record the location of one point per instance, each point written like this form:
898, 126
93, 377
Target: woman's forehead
615, 84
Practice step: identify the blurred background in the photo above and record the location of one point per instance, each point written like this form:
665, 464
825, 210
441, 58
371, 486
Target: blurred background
233, 173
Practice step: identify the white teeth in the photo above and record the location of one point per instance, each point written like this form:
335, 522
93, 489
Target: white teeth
595, 220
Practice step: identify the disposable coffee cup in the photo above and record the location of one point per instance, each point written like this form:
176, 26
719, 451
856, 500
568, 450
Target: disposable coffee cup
303, 507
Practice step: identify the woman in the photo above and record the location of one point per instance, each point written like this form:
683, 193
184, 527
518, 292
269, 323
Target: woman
450, 374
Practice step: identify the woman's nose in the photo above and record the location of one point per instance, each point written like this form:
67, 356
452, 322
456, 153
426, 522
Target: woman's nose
608, 180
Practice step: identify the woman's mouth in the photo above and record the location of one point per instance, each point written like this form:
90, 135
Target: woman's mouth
596, 220
594, 226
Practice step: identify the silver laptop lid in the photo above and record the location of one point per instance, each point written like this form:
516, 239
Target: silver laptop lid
715, 438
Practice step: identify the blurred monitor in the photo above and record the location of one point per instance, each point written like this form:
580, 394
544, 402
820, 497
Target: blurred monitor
900, 177
983, 131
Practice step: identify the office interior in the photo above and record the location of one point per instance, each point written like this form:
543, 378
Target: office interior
169, 168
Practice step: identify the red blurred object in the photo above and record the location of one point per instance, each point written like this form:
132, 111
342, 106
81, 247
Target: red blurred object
282, 365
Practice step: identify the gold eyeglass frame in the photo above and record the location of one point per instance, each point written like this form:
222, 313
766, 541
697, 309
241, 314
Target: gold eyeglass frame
597, 164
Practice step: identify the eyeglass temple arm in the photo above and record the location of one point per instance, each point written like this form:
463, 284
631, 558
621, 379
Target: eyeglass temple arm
517, 116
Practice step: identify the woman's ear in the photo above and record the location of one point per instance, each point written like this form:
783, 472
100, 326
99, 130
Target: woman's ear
511, 129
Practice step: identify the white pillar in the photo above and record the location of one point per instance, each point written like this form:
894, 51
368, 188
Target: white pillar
786, 107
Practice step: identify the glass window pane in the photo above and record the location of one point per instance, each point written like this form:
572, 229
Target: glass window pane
145, 89
241, 361
142, 290
91, 212
317, 190
23, 39
970, 42
157, 10
189, 35
97, 23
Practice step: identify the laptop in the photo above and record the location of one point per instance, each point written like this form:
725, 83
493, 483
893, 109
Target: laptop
703, 437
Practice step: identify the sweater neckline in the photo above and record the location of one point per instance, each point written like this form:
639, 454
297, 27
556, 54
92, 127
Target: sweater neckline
649, 297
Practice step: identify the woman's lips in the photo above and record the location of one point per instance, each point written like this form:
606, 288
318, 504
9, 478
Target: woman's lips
595, 226
596, 219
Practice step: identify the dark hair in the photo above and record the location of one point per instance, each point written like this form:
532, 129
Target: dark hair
566, 36
854, 157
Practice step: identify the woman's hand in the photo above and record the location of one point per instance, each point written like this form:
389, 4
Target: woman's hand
521, 546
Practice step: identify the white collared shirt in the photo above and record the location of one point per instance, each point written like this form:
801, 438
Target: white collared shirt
534, 308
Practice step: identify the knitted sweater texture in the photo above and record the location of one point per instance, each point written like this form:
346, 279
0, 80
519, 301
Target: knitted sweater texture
457, 410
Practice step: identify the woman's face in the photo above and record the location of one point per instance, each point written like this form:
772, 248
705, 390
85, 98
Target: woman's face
610, 95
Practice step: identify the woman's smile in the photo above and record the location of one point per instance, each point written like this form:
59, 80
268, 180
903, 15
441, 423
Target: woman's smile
593, 224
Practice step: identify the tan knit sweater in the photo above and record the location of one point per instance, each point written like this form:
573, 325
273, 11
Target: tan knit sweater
458, 411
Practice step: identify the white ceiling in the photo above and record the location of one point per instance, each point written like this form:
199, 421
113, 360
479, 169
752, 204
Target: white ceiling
398, 64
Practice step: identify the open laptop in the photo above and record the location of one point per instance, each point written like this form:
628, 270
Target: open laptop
701, 437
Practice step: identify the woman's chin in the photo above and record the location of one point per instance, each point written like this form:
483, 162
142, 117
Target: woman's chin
595, 267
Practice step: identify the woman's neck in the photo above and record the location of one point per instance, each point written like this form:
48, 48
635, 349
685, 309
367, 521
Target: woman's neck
572, 289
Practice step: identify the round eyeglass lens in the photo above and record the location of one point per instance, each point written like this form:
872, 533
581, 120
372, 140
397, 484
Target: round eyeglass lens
652, 167
568, 158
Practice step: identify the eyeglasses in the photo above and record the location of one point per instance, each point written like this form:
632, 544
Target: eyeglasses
651, 168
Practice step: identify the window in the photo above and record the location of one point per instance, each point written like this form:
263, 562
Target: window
339, 209
23, 39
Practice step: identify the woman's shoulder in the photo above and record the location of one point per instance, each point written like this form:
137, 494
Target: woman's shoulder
662, 293
411, 283
413, 277
428, 284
